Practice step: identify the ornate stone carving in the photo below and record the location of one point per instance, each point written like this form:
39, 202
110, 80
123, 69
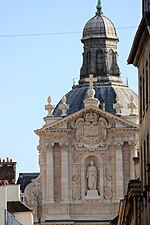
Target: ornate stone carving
103, 131
33, 192
53, 137
91, 131
108, 193
76, 156
76, 183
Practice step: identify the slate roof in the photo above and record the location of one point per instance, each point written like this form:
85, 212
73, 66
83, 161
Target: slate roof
106, 95
25, 178
17, 206
99, 26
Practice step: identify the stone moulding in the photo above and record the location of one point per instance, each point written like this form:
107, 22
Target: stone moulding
84, 111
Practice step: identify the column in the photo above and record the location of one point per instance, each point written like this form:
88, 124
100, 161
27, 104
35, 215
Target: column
50, 174
119, 170
64, 174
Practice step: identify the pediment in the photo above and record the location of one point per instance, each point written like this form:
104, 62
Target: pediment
112, 120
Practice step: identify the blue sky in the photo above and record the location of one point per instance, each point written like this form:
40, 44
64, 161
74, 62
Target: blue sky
32, 67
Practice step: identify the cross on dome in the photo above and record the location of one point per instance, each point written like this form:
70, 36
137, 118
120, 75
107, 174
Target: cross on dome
91, 80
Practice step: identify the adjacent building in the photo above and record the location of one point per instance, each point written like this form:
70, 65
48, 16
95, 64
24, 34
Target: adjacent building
12, 210
140, 57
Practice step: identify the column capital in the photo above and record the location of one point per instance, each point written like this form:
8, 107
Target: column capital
119, 144
64, 146
49, 146
132, 143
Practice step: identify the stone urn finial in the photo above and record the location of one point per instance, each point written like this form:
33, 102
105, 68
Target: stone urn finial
49, 107
117, 106
64, 106
132, 106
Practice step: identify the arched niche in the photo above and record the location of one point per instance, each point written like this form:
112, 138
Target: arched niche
98, 162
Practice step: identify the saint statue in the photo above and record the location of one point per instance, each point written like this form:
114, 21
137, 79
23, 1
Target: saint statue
92, 176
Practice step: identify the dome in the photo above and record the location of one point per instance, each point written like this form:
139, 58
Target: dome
105, 94
99, 26
100, 60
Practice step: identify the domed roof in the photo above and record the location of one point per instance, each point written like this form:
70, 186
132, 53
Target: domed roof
106, 95
99, 26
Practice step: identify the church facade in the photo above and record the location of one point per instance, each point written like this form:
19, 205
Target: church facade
87, 144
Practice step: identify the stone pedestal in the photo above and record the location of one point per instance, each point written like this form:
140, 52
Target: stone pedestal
92, 194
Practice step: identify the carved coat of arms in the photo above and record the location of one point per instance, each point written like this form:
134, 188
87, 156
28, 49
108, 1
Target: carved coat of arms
91, 130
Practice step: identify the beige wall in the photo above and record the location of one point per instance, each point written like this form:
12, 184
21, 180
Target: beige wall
3, 204
11, 193
26, 218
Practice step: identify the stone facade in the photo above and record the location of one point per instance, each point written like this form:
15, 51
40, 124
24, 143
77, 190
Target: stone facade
66, 148
86, 146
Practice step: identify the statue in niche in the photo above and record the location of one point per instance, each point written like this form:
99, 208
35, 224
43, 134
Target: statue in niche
92, 176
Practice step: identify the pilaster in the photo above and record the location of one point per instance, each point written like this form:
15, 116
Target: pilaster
50, 174
42, 162
64, 173
132, 155
119, 170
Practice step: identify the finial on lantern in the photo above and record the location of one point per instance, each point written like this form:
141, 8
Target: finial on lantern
99, 8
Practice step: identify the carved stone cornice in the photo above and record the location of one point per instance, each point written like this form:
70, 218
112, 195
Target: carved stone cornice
43, 132
85, 110
136, 129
